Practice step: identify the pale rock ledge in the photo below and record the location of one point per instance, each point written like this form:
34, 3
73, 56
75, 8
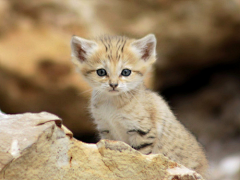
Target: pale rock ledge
38, 146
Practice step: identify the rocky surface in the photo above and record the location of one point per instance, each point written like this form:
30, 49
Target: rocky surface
197, 70
38, 146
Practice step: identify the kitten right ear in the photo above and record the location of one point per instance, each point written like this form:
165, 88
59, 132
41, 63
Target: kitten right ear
146, 46
81, 48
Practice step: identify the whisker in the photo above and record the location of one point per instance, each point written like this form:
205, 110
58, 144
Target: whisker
97, 92
85, 91
135, 97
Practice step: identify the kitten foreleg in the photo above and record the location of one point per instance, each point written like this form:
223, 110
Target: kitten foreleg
142, 141
105, 134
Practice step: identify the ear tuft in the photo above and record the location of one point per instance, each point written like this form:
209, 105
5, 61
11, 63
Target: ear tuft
146, 46
81, 48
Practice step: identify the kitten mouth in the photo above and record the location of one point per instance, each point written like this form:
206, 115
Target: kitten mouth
113, 90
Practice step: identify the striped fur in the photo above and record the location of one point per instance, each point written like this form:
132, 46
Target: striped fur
129, 112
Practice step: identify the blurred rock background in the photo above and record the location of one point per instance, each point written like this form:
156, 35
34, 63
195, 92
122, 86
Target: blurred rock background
198, 68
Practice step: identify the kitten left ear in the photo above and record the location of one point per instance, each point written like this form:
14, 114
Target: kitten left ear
146, 46
81, 48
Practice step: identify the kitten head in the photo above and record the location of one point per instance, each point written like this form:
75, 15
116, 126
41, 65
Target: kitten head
114, 65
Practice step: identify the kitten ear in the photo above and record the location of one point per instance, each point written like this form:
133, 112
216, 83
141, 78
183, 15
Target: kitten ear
146, 46
81, 48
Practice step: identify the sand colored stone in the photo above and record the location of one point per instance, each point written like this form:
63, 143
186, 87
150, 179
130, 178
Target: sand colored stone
38, 146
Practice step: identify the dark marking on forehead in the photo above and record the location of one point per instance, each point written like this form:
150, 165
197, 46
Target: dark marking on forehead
113, 43
109, 43
138, 72
104, 45
89, 72
118, 49
111, 54
118, 58
123, 45
118, 42
109, 57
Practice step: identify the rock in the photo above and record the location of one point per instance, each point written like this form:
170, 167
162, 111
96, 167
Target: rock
197, 70
36, 73
35, 69
38, 146
43, 78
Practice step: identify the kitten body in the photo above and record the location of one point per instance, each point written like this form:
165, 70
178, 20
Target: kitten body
123, 109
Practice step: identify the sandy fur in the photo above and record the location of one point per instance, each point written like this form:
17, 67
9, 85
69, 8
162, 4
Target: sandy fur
135, 115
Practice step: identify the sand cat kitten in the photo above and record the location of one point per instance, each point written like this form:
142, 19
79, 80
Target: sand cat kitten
123, 109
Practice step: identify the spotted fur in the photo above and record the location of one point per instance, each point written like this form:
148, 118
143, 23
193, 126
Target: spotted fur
129, 112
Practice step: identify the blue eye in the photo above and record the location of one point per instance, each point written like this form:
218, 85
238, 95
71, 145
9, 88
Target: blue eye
126, 72
101, 72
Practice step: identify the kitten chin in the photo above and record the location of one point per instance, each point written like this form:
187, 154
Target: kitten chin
113, 93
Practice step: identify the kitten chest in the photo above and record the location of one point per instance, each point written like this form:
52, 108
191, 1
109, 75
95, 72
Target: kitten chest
110, 119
